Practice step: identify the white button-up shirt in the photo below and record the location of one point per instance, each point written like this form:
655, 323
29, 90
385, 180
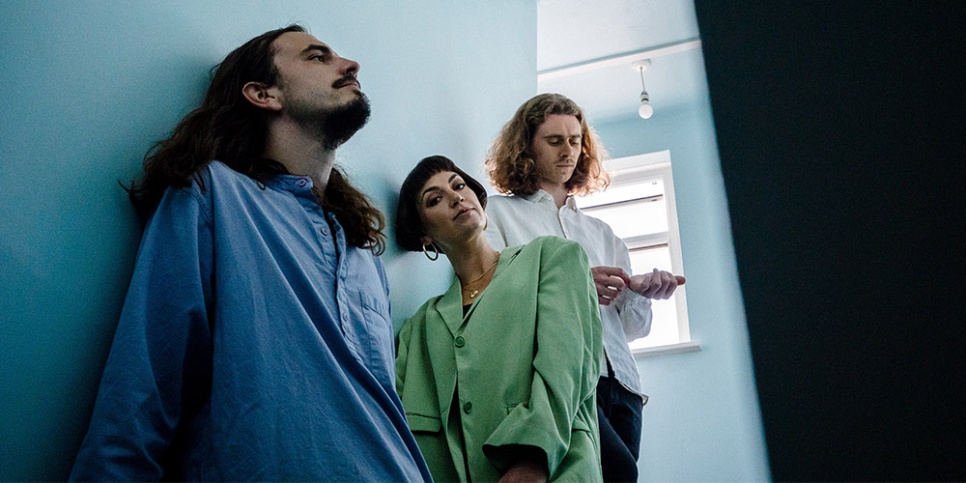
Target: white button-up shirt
515, 220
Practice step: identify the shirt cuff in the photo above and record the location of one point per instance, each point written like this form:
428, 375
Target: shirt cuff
635, 314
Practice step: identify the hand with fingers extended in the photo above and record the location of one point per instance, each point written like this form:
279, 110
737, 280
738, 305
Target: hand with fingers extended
657, 285
609, 281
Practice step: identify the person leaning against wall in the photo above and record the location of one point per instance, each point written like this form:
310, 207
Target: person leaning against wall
255, 341
498, 374
544, 155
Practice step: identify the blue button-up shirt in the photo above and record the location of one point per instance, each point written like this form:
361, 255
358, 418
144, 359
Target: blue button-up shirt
254, 344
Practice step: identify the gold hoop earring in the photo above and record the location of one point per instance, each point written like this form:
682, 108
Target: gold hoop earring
486, 221
435, 255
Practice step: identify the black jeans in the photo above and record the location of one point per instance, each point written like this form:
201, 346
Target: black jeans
619, 414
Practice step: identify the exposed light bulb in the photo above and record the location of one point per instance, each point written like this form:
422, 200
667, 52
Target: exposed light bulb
646, 111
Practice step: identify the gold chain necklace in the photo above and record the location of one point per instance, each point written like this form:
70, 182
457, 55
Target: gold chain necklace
472, 293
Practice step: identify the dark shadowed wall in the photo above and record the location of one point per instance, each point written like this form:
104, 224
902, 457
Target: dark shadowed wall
841, 134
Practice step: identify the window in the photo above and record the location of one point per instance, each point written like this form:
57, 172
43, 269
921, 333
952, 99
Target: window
639, 207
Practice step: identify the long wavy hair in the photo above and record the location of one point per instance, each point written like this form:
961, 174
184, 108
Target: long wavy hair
511, 166
230, 129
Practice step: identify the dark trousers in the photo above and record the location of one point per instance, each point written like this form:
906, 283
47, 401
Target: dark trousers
619, 414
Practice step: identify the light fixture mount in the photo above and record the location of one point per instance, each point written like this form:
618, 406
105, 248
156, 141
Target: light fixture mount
645, 110
642, 64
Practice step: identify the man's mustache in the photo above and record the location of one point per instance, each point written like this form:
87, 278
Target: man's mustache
348, 79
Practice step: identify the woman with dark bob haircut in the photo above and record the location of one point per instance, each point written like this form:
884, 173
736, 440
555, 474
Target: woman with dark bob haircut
497, 375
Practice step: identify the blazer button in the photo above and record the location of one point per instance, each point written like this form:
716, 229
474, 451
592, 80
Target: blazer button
460, 342
467, 407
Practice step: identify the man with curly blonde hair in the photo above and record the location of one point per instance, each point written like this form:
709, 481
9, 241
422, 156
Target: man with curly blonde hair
546, 154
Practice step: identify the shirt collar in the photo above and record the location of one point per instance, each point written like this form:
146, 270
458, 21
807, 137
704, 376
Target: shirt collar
290, 182
571, 202
541, 196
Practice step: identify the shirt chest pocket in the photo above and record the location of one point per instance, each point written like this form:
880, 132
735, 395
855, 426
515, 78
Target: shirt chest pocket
376, 345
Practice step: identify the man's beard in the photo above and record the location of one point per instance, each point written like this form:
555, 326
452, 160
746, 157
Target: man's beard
337, 125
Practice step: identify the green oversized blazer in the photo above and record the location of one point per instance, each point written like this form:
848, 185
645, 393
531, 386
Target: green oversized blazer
518, 373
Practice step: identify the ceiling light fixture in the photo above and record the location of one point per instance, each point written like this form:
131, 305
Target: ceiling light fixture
646, 110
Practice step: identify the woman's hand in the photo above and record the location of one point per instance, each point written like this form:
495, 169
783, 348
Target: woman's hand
525, 471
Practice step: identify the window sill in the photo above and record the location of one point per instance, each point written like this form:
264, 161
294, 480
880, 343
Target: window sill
690, 346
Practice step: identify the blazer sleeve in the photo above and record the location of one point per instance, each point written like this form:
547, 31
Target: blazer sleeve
566, 363
159, 366
402, 356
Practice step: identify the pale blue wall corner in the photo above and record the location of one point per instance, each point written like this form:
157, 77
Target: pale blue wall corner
703, 421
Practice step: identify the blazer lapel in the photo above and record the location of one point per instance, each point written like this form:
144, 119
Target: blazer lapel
506, 257
450, 307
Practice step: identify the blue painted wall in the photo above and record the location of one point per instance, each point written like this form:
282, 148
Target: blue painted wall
90, 85
703, 421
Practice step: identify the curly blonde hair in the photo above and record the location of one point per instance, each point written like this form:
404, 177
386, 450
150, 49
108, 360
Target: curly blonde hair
511, 167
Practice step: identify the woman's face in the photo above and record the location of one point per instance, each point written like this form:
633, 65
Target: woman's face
449, 209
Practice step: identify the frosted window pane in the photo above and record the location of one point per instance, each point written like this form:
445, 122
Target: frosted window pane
634, 219
643, 261
629, 191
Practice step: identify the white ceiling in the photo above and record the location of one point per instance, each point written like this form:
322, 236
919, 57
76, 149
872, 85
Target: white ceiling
585, 50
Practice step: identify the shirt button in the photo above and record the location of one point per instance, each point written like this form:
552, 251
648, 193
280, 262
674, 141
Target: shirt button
460, 342
301, 183
325, 232
467, 407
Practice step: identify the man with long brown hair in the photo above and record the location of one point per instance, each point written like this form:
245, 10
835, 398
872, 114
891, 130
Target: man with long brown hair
546, 154
255, 341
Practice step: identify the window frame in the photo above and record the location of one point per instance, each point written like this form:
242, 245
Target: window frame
634, 169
